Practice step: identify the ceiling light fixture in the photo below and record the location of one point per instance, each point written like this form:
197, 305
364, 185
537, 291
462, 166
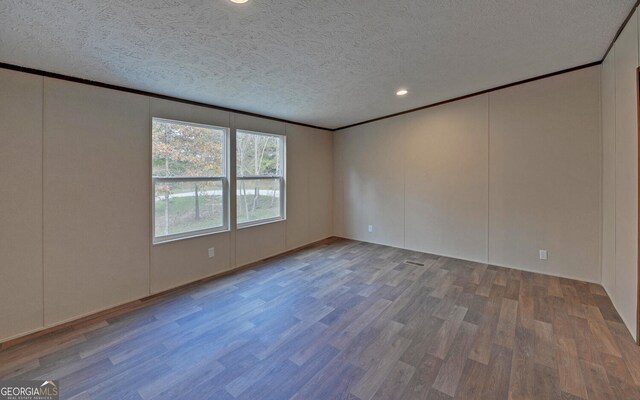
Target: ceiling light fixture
239, 1
402, 92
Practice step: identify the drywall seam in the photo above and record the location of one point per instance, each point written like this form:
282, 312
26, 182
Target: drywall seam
488, 178
42, 195
405, 152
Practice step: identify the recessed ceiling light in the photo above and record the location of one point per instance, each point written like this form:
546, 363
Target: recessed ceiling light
402, 92
239, 1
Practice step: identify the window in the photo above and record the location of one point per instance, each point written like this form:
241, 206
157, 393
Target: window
260, 161
189, 179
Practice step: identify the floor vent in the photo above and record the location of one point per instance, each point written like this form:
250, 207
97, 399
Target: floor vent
419, 264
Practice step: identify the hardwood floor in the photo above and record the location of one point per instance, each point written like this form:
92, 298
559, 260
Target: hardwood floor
350, 320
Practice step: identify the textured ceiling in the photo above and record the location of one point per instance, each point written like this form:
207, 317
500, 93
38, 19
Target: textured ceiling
322, 62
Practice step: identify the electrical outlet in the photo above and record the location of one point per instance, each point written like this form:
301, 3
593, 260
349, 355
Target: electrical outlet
370, 228
543, 254
212, 252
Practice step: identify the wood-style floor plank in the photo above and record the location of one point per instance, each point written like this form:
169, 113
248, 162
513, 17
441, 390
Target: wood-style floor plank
348, 320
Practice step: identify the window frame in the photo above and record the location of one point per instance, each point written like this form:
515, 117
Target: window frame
224, 179
281, 179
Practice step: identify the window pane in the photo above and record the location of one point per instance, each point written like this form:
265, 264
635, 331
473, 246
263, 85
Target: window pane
188, 206
258, 155
181, 149
258, 199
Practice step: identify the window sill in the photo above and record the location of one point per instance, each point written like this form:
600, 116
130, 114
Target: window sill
259, 223
157, 242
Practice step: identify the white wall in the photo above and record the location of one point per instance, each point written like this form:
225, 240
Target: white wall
96, 199
620, 174
75, 226
420, 179
309, 184
20, 203
608, 90
371, 166
545, 175
493, 178
446, 179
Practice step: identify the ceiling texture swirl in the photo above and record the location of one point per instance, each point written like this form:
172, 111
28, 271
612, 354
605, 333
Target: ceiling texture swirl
327, 63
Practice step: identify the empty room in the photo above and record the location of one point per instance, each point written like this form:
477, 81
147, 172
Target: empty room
319, 199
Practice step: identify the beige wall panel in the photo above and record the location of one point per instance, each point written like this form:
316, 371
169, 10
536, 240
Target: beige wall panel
258, 242
320, 200
183, 261
373, 181
625, 296
446, 179
179, 262
21, 203
608, 173
97, 191
545, 175
257, 124
338, 184
189, 113
298, 167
